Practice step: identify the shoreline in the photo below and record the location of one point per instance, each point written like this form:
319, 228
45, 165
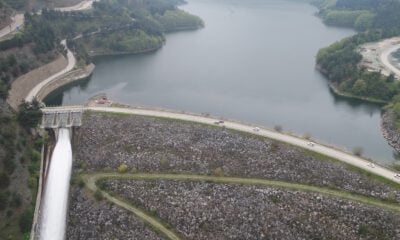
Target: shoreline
97, 55
336, 91
389, 130
339, 93
67, 78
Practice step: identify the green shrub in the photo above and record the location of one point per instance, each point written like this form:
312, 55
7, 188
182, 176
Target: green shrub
219, 172
9, 213
164, 162
98, 195
4, 180
123, 168
3, 201
25, 221
16, 200
35, 155
81, 183
102, 185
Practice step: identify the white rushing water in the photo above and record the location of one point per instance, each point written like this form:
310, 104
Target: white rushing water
54, 208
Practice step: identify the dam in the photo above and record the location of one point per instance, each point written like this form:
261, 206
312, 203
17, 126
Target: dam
53, 208
56, 175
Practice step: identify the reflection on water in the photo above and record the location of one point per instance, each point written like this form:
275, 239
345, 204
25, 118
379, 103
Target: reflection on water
254, 61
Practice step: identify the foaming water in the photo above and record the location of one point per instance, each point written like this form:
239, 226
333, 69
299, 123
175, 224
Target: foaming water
54, 208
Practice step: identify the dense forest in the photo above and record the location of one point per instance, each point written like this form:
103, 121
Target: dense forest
374, 20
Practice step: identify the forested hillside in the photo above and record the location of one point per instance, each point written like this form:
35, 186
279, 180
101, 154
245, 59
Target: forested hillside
375, 20
19, 146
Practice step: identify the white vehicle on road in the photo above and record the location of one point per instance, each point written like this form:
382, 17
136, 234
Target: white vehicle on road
311, 144
397, 175
371, 165
256, 129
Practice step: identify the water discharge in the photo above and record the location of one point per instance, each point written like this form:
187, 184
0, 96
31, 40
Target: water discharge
54, 208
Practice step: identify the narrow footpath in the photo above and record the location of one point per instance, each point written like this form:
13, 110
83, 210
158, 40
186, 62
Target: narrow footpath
91, 179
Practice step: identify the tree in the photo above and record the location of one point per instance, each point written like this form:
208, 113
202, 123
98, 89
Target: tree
3, 90
364, 21
29, 114
25, 221
396, 109
3, 201
4, 180
390, 78
359, 87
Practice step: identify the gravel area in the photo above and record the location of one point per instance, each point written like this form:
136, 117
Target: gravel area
200, 210
157, 145
99, 220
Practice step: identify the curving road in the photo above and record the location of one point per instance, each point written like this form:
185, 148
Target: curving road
386, 62
71, 64
18, 19
84, 5
296, 141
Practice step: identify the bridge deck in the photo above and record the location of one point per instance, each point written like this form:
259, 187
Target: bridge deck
62, 118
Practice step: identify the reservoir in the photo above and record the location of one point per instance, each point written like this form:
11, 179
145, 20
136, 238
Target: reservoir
254, 61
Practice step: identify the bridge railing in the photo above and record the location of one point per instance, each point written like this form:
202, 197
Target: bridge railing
58, 117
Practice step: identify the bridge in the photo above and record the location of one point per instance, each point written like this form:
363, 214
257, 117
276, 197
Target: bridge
62, 118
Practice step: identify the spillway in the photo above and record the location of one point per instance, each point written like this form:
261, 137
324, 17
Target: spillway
55, 201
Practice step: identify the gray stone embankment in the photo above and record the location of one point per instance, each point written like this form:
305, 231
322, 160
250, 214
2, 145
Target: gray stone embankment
21, 87
157, 145
65, 79
389, 130
208, 211
92, 219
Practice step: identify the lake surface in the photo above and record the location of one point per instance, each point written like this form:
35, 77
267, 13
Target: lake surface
254, 61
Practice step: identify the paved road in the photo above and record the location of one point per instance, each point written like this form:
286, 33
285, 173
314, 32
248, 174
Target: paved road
319, 148
17, 21
386, 62
71, 64
84, 5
